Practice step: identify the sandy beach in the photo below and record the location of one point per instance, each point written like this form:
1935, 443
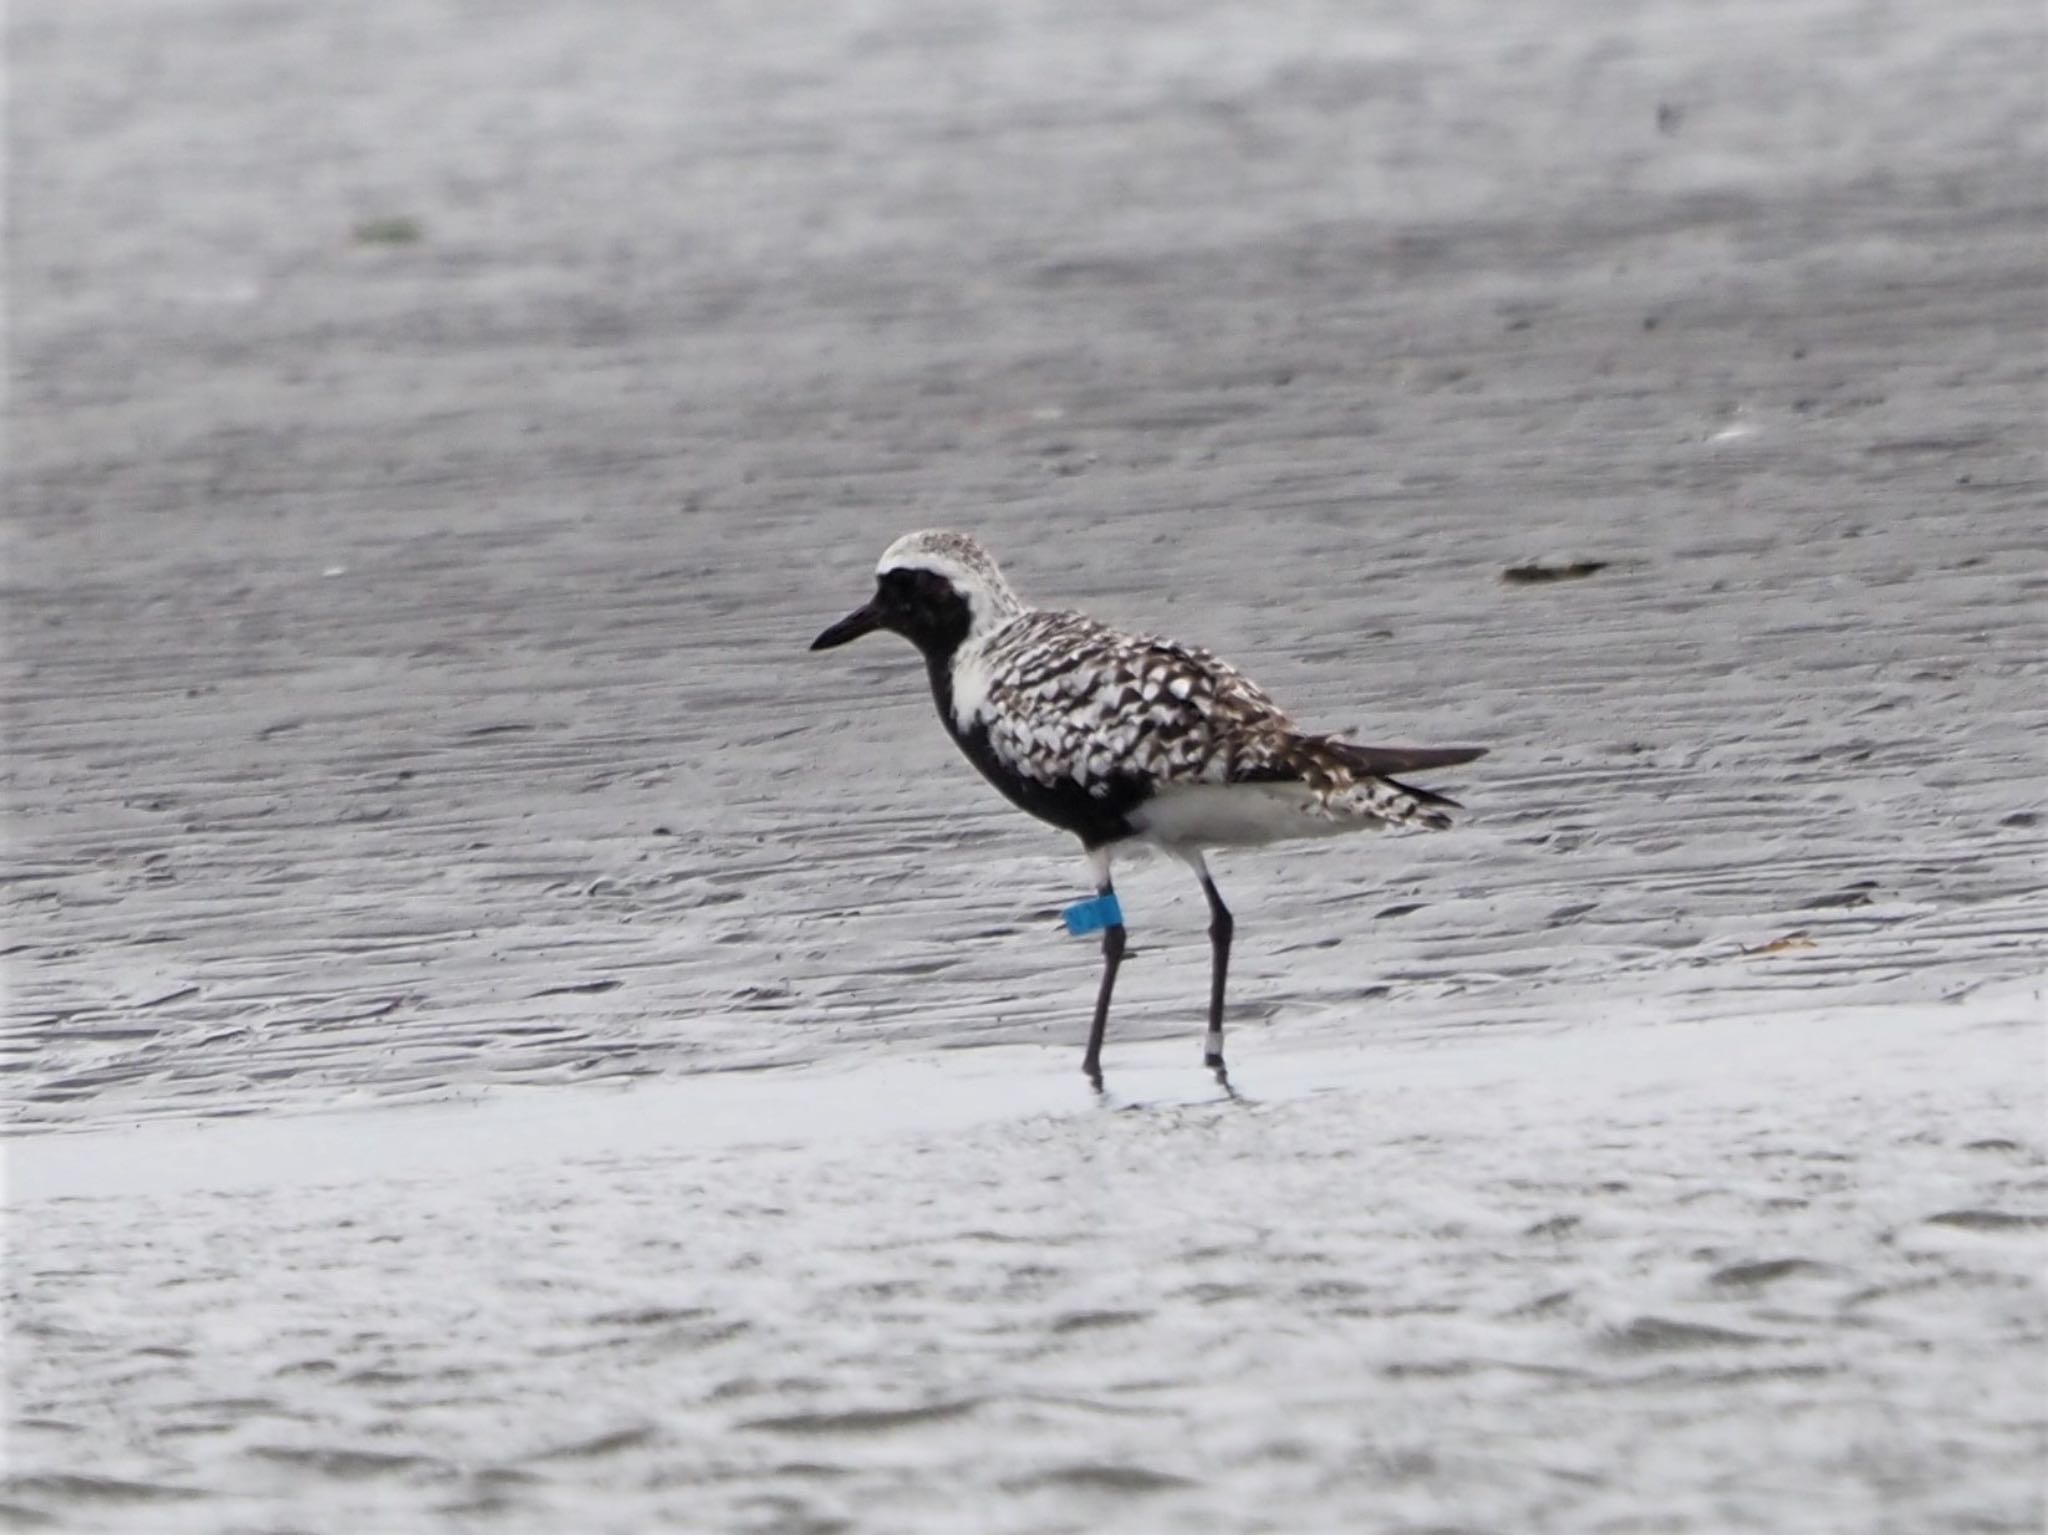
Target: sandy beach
498, 1036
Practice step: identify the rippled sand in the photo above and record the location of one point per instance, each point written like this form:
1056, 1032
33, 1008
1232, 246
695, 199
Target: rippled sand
432, 443
407, 682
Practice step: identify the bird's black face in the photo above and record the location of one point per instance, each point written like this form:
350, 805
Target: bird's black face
921, 605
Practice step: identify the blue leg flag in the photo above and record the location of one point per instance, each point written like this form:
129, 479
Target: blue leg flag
1085, 917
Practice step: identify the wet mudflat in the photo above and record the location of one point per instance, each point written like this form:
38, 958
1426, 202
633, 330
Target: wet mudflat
434, 437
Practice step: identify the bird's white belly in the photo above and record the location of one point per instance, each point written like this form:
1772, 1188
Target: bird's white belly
1236, 815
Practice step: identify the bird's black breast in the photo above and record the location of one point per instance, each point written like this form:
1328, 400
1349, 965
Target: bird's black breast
1095, 817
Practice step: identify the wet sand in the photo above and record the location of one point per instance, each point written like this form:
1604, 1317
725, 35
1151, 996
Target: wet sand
404, 633
432, 442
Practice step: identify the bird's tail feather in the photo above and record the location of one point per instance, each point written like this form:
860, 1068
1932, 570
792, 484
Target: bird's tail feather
1409, 804
1425, 796
1350, 780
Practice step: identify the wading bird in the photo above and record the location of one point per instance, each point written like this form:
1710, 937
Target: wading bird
1118, 739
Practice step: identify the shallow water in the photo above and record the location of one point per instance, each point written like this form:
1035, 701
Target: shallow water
1777, 1273
406, 700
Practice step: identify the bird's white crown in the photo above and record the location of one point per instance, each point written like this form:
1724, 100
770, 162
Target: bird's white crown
963, 562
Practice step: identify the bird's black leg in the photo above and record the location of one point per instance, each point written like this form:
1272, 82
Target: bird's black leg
1112, 956
1220, 929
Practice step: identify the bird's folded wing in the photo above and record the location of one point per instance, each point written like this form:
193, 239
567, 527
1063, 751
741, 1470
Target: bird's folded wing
1382, 760
1100, 708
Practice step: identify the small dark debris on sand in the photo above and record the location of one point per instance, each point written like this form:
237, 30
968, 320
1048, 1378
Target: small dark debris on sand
396, 230
1536, 572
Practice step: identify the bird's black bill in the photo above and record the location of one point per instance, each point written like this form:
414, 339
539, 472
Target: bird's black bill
860, 621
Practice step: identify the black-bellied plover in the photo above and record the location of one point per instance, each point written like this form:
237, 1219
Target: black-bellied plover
1118, 738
